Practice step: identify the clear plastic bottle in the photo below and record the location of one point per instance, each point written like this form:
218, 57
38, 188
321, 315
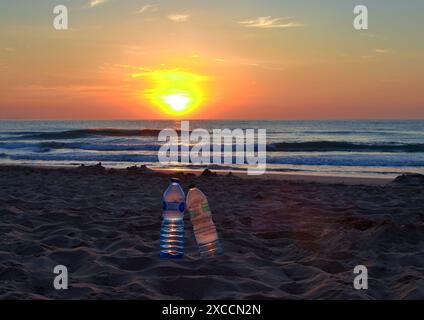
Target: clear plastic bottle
172, 230
203, 226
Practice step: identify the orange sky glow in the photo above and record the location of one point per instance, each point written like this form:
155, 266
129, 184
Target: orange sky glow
123, 60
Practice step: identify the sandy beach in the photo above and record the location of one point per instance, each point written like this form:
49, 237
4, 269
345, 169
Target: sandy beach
282, 238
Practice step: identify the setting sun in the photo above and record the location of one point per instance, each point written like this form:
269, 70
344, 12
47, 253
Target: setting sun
178, 102
175, 92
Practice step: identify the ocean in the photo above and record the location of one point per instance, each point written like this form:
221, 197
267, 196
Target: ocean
343, 148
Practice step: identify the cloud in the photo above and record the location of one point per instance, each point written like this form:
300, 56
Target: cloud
383, 51
253, 64
373, 36
269, 22
148, 7
94, 3
179, 17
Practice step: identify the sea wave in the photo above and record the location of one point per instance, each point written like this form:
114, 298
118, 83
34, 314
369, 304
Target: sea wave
384, 132
309, 146
82, 157
86, 133
98, 146
54, 145
358, 160
329, 146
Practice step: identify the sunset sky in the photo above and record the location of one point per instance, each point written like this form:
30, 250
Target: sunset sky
242, 59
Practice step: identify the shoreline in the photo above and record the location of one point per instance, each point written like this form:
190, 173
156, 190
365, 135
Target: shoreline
282, 176
314, 178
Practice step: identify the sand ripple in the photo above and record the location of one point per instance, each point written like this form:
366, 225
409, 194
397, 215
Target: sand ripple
281, 239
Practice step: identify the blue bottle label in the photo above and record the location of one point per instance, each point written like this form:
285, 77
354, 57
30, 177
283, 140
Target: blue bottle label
174, 206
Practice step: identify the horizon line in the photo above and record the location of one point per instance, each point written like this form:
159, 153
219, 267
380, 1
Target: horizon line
216, 119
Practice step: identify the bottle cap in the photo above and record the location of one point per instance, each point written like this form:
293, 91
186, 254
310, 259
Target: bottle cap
175, 180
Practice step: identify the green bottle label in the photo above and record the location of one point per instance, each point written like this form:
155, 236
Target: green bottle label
205, 207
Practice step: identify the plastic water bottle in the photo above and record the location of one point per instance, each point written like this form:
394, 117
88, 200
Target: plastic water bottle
204, 228
172, 230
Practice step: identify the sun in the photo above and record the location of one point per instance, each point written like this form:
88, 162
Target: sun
177, 102
175, 92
